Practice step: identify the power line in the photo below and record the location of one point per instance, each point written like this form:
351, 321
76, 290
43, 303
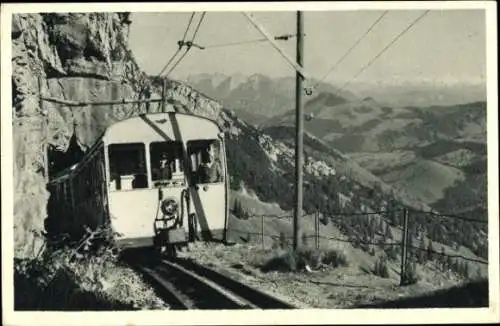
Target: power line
180, 45
198, 26
189, 24
188, 44
211, 46
273, 42
351, 48
284, 37
385, 49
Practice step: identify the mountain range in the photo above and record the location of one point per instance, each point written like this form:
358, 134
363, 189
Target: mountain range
432, 156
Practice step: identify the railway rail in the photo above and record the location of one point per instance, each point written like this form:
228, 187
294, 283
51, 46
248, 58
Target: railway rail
185, 285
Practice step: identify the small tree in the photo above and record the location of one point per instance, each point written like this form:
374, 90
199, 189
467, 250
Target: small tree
380, 267
283, 241
372, 228
238, 209
381, 228
372, 251
466, 270
365, 243
392, 252
304, 239
410, 249
388, 232
421, 255
442, 259
430, 251
411, 276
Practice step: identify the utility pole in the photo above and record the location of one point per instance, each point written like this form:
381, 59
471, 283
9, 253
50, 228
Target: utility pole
299, 128
404, 240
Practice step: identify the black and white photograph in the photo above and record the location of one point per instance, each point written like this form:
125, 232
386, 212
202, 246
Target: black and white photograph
321, 162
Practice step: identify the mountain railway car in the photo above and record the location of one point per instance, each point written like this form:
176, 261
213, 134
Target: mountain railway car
156, 180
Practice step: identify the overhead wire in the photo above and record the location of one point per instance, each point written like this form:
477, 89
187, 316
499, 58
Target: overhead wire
198, 26
144, 86
189, 45
210, 46
394, 40
189, 24
273, 42
259, 40
332, 69
180, 45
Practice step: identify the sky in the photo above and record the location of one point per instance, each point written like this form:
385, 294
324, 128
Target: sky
446, 46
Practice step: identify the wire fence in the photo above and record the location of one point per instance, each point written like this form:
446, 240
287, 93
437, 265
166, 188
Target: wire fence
401, 249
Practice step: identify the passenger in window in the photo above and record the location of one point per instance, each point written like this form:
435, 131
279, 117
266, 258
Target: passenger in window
165, 169
209, 170
141, 178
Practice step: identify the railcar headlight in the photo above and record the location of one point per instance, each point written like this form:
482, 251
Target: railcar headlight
169, 207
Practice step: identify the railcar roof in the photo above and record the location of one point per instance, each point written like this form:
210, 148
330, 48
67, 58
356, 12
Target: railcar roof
160, 127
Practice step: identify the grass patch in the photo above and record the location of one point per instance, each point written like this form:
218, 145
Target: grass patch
290, 261
61, 280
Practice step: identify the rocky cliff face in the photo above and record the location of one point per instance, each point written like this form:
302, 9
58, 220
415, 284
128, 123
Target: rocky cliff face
78, 57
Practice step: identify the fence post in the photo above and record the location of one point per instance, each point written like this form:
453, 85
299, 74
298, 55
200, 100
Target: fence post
262, 229
404, 239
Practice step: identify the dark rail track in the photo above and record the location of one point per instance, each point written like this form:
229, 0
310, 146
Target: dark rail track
185, 284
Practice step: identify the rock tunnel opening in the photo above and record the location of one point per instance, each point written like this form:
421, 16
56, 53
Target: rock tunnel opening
59, 160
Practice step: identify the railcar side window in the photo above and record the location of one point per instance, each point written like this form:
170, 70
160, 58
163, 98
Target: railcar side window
167, 163
206, 161
127, 166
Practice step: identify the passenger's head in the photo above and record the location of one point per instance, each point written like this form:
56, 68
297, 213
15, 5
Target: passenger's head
208, 154
163, 157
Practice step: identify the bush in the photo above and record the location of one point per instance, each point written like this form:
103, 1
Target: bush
392, 252
283, 241
284, 262
305, 239
335, 258
293, 261
372, 251
411, 276
67, 280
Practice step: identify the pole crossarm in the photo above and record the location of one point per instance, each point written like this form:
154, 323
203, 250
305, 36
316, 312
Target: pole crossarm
273, 42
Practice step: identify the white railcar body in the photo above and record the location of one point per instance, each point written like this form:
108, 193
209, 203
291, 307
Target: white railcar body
164, 175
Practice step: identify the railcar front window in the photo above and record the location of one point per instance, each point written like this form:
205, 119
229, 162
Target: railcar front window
167, 163
127, 166
206, 161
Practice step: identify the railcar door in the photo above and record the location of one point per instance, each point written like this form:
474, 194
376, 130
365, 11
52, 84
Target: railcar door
208, 188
